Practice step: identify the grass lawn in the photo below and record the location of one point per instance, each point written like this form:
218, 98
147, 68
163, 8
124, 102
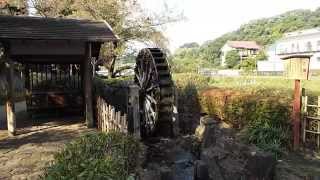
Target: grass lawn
265, 82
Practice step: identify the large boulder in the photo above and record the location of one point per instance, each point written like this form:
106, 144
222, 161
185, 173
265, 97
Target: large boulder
229, 159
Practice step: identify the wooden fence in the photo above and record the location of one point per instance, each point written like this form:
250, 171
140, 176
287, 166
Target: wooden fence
117, 109
109, 119
311, 120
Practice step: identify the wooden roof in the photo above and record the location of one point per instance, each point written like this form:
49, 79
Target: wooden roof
38, 28
244, 45
296, 56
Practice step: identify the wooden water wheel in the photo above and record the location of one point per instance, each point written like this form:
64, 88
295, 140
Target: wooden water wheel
152, 75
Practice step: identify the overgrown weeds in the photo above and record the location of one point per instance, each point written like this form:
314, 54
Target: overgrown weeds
261, 112
96, 156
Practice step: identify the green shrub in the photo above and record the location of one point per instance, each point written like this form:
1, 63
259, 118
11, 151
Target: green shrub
269, 126
232, 59
263, 116
96, 156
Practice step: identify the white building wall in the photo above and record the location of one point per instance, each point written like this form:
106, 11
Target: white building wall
315, 61
303, 42
300, 42
270, 66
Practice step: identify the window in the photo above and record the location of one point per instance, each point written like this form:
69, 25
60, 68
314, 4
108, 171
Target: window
318, 59
298, 47
318, 45
309, 46
292, 47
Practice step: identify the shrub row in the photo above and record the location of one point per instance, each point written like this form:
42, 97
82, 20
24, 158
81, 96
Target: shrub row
96, 156
262, 115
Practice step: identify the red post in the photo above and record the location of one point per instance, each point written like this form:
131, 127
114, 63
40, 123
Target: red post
296, 114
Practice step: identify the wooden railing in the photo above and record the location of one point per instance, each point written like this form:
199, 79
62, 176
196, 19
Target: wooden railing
311, 120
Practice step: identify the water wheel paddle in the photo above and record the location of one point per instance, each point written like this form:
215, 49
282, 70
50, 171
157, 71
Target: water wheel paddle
152, 75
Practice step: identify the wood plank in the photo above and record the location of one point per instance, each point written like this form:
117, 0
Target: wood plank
313, 132
311, 105
296, 114
314, 118
88, 87
10, 107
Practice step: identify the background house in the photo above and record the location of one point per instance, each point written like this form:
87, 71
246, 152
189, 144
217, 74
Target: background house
304, 42
245, 49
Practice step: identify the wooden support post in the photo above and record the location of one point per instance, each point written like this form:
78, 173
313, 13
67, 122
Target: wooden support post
10, 109
318, 114
27, 77
296, 114
304, 123
87, 77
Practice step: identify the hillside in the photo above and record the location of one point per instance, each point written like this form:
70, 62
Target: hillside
265, 31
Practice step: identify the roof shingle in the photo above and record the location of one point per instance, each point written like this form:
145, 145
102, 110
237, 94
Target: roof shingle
244, 44
38, 28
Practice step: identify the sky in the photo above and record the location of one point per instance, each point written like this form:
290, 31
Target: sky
208, 19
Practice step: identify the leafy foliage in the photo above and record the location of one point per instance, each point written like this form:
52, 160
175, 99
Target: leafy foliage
13, 7
190, 45
96, 156
187, 60
232, 59
269, 126
129, 21
248, 64
264, 120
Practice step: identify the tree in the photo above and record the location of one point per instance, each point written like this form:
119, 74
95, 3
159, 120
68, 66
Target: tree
232, 59
261, 56
248, 64
13, 7
190, 45
127, 18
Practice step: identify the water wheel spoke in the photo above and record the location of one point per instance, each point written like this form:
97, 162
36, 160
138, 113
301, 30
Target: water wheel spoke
149, 74
148, 110
151, 99
151, 89
139, 80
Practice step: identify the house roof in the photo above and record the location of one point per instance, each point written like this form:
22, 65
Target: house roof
244, 45
39, 28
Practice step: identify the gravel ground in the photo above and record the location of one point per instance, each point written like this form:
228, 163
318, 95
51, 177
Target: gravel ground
24, 156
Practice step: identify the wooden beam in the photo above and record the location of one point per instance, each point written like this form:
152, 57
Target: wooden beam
10, 108
87, 77
296, 115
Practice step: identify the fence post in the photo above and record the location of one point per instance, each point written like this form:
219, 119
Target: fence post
296, 114
127, 121
304, 120
134, 111
318, 113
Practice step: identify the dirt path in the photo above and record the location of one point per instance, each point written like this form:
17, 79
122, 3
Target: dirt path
25, 156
